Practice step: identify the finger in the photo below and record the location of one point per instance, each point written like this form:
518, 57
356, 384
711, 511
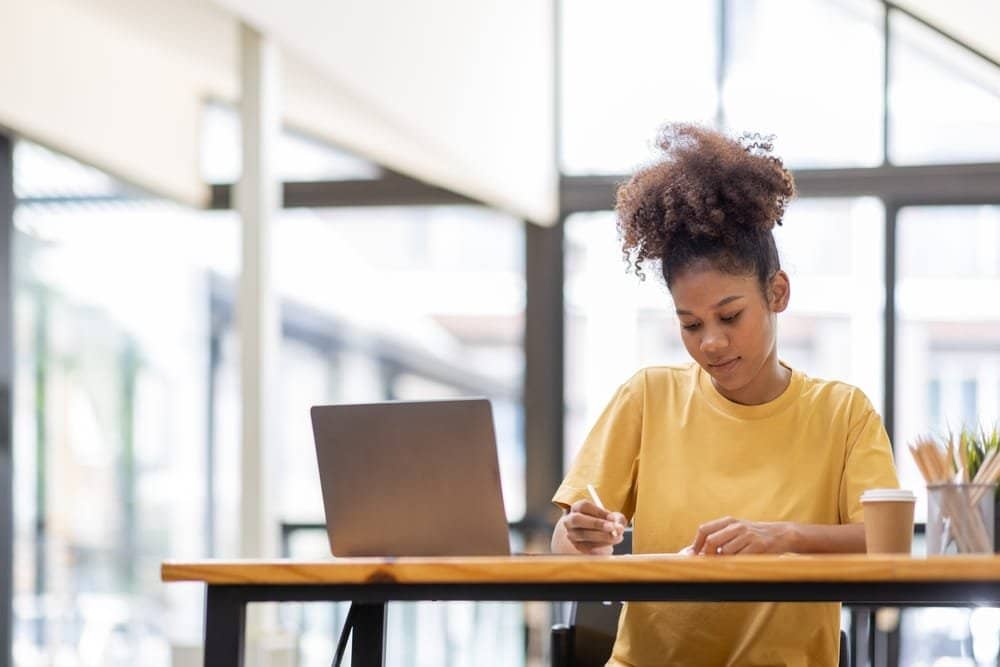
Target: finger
706, 529
720, 538
595, 536
594, 549
619, 525
589, 508
577, 521
753, 546
737, 545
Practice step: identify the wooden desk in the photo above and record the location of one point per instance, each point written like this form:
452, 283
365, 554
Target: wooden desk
372, 582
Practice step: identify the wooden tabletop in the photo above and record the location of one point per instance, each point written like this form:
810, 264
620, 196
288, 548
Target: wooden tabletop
582, 569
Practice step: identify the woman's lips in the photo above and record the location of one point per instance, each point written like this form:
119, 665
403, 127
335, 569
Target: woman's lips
724, 367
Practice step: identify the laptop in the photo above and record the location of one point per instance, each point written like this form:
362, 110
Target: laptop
411, 478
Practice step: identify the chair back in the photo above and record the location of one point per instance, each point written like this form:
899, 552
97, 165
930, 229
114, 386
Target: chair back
586, 634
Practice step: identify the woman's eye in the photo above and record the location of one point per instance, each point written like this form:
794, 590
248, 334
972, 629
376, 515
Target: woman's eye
731, 318
690, 327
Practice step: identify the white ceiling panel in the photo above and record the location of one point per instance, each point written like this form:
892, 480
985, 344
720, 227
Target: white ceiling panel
452, 92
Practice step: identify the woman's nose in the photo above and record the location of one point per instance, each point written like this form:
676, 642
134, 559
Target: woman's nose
714, 341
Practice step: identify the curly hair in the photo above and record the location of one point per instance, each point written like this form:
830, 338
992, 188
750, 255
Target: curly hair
709, 198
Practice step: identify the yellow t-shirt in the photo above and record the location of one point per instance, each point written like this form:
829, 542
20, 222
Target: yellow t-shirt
671, 453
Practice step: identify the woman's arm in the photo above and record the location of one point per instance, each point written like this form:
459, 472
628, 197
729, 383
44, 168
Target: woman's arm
820, 539
737, 536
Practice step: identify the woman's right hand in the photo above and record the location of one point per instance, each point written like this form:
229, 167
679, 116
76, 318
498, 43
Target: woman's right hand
592, 530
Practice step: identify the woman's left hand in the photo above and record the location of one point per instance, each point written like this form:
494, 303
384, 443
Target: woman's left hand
728, 536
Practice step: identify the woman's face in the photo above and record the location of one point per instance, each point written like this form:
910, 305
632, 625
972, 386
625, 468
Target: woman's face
728, 328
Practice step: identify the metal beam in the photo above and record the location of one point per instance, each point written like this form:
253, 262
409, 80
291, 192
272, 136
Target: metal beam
69, 200
889, 323
722, 59
923, 185
886, 78
390, 190
211, 403
6, 394
913, 185
543, 370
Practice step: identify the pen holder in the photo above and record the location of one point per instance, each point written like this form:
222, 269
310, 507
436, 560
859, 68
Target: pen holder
960, 518
996, 522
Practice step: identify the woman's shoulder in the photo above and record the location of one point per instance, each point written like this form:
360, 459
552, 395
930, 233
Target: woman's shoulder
659, 378
833, 393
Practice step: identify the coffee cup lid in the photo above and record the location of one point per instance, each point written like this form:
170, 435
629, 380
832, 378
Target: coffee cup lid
890, 495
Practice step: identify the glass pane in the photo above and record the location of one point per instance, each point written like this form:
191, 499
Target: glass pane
616, 324
41, 175
790, 74
833, 251
403, 304
947, 374
626, 69
948, 332
941, 636
299, 158
111, 329
117, 298
944, 102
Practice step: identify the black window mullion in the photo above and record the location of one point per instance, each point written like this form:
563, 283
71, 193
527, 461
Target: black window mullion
6, 392
889, 333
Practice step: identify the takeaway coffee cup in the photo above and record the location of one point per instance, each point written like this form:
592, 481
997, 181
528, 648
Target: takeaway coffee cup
888, 520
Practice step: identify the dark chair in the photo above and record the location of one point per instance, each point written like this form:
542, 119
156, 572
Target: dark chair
585, 634
587, 639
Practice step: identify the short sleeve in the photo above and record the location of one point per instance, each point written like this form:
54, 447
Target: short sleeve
868, 462
609, 457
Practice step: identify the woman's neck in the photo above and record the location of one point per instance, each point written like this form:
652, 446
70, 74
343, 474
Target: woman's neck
767, 385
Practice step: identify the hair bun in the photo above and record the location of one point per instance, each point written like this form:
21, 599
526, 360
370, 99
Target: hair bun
704, 185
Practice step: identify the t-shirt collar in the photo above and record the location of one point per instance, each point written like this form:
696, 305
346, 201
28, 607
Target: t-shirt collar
740, 411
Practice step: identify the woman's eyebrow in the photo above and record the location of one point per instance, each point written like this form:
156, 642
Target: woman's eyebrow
728, 299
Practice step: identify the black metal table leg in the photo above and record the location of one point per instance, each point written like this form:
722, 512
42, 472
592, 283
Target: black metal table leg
859, 637
368, 635
872, 632
225, 622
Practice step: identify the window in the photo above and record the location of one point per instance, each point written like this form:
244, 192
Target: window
626, 69
404, 304
832, 250
944, 102
395, 303
615, 323
948, 331
127, 389
790, 74
299, 158
110, 342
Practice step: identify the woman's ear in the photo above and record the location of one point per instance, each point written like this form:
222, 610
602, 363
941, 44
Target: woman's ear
779, 292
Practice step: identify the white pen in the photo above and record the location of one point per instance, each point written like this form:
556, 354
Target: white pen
597, 501
596, 498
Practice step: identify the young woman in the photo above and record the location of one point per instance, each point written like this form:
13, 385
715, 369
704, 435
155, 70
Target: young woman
735, 453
